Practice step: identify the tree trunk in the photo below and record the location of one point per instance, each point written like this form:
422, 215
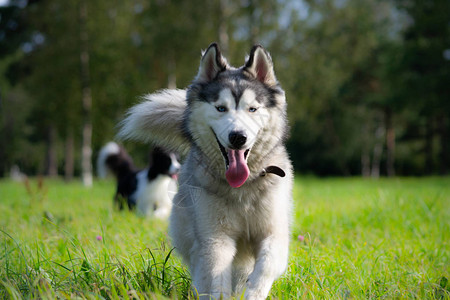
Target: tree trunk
377, 151
443, 140
86, 164
390, 143
172, 77
51, 165
365, 153
429, 146
253, 23
224, 15
365, 164
3, 157
69, 157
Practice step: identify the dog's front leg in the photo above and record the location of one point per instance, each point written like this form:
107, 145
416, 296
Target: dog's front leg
213, 267
271, 262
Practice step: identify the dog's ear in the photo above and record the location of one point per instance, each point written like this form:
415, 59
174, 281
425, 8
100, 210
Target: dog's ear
212, 63
259, 65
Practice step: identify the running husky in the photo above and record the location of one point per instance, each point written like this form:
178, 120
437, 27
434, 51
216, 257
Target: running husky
231, 217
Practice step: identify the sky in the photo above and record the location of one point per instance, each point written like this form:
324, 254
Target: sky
3, 2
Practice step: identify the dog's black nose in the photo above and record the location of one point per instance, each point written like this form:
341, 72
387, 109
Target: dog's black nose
237, 139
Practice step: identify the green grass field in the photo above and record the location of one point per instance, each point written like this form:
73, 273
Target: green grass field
351, 239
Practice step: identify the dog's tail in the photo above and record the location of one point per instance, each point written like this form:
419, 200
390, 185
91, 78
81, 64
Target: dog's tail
158, 120
113, 158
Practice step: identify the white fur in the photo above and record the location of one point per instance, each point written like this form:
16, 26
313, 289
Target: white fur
154, 198
107, 150
175, 166
167, 107
235, 240
234, 119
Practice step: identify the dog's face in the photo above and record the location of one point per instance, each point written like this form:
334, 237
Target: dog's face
230, 109
163, 163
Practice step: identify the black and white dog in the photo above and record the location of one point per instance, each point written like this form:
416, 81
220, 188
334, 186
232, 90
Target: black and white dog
149, 191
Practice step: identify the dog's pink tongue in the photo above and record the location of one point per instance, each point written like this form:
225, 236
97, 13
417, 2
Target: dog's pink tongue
238, 171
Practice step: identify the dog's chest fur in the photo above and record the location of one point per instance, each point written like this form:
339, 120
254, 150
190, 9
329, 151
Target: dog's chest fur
238, 213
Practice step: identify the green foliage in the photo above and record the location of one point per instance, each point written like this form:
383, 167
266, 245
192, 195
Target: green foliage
366, 81
351, 239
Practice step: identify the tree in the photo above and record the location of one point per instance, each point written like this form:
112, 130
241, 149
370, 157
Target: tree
50, 60
423, 74
86, 97
331, 73
367, 94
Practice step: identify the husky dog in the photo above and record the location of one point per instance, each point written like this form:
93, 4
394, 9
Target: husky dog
231, 217
148, 190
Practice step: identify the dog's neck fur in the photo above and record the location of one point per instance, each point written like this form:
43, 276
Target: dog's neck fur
261, 167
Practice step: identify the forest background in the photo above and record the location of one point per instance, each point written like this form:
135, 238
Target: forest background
367, 81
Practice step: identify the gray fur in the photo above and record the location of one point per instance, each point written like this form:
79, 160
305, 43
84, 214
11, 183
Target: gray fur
158, 119
235, 240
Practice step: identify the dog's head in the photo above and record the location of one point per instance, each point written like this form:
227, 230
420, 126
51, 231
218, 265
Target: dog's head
163, 163
234, 111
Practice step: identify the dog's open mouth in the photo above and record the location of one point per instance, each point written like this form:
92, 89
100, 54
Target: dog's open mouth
237, 171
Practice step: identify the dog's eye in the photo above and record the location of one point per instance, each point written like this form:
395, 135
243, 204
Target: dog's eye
221, 108
252, 109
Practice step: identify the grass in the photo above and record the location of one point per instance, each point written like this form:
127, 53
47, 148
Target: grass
351, 239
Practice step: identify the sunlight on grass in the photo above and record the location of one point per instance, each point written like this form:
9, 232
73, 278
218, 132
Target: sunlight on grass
358, 239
